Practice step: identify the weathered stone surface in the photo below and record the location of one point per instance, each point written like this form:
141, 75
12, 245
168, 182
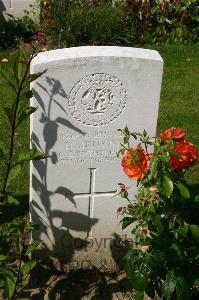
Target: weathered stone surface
86, 94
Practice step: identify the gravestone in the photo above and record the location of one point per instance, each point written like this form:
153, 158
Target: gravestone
16, 7
86, 94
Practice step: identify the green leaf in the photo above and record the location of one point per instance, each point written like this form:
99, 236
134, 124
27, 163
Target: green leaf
144, 133
168, 185
139, 280
126, 131
14, 172
35, 76
159, 256
28, 266
150, 290
126, 222
9, 113
9, 286
7, 272
183, 230
3, 145
174, 255
184, 192
11, 201
28, 94
196, 198
32, 247
2, 155
32, 154
180, 288
32, 226
195, 232
25, 114
169, 285
1, 283
139, 295
3, 257
120, 152
19, 245
132, 259
153, 167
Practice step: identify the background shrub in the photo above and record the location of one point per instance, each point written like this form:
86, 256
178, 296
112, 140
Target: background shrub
14, 30
127, 22
71, 23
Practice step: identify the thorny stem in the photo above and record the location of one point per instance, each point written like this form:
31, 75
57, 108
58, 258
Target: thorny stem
13, 129
127, 198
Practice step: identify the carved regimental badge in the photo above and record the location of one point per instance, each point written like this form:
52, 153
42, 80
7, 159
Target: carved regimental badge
97, 99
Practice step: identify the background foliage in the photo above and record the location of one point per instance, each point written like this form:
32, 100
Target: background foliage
127, 23
99, 22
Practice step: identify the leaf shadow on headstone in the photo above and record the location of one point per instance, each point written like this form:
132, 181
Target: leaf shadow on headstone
55, 262
118, 250
62, 237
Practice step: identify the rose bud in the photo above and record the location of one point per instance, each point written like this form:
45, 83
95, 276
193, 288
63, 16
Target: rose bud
175, 134
153, 189
122, 187
145, 249
121, 210
144, 232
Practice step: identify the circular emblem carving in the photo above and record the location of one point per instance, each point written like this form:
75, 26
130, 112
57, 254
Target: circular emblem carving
97, 99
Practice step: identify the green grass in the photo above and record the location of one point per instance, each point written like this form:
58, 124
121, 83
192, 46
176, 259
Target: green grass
20, 186
179, 105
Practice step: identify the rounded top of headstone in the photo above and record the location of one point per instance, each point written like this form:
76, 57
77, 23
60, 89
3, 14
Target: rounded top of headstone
95, 51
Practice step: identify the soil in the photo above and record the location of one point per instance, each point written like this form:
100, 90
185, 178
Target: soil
78, 284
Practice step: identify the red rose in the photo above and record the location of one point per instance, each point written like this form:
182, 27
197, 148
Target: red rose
138, 169
188, 154
175, 134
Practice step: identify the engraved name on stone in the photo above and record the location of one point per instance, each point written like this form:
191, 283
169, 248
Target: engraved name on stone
97, 99
93, 147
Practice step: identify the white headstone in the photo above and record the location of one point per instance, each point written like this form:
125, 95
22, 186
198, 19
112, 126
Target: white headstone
87, 94
16, 7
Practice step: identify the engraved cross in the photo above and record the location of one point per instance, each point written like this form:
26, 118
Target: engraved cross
92, 195
11, 4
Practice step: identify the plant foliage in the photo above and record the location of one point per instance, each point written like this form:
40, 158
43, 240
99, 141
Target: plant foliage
15, 263
131, 22
163, 255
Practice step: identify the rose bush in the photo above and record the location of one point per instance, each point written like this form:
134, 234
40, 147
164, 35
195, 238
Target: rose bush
163, 255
